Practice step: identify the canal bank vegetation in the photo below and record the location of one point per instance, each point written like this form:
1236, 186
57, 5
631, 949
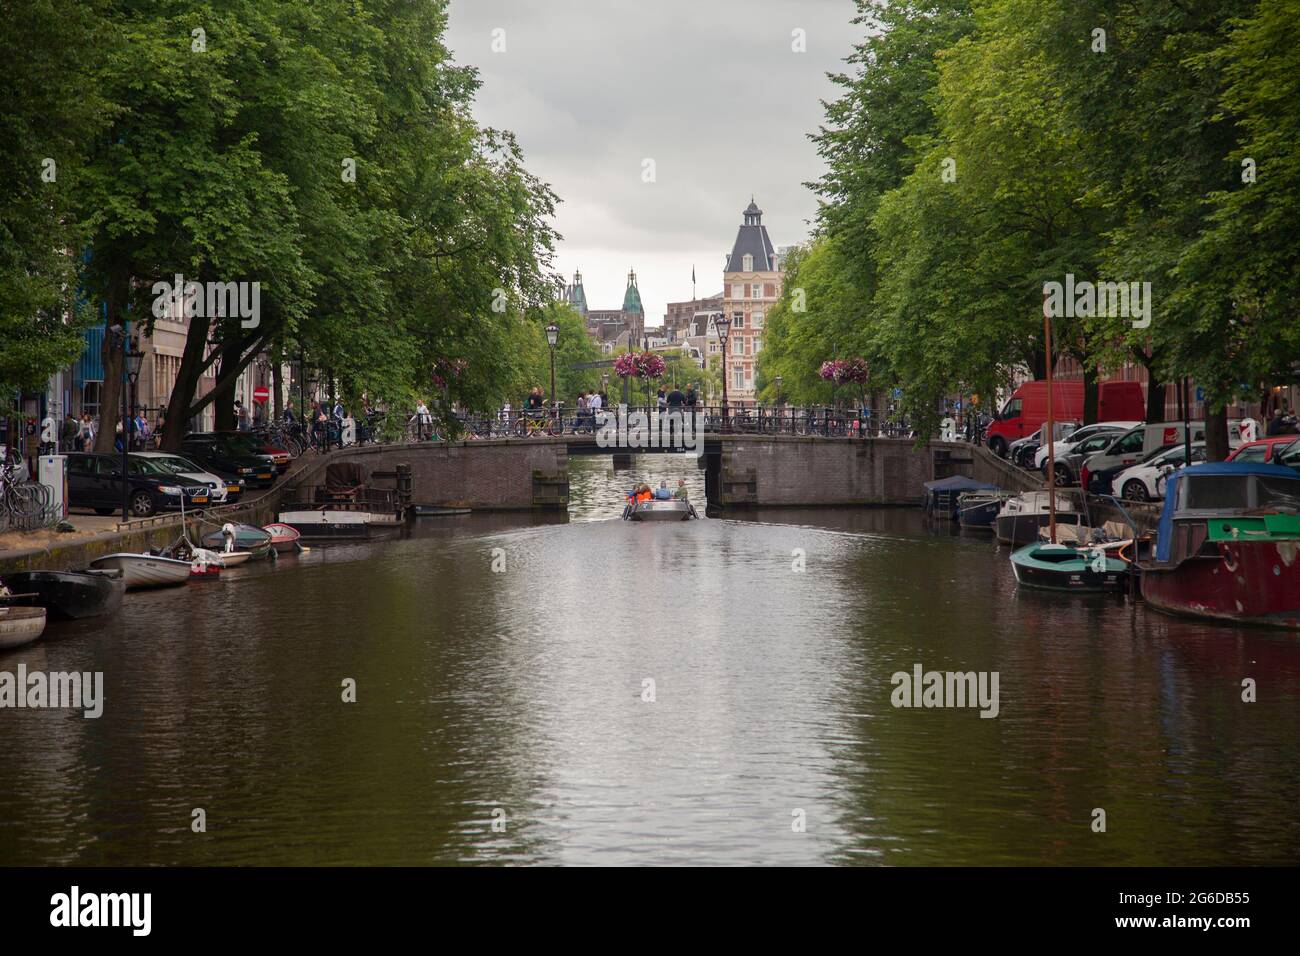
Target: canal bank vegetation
980, 150
324, 152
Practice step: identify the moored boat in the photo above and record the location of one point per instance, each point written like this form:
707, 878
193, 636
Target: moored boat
1228, 545
284, 538
239, 537
1068, 567
67, 595
979, 509
20, 625
145, 570
1021, 516
941, 494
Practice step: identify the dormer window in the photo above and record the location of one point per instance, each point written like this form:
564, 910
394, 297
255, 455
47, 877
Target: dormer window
748, 261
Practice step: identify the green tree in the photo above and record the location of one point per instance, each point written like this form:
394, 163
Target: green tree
52, 109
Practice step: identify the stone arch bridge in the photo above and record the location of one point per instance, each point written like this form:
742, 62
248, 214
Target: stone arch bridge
740, 470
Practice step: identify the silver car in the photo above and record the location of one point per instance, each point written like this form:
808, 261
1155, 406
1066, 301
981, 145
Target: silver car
182, 467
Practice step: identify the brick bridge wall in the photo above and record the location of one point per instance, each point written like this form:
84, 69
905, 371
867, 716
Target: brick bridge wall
795, 471
742, 470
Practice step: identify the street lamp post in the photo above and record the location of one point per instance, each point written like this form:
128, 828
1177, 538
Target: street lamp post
552, 337
723, 325
132, 357
779, 409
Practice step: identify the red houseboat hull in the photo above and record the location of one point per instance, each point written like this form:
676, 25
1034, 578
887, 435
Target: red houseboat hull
1251, 582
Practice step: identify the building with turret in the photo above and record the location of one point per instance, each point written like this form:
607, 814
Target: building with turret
614, 329
751, 284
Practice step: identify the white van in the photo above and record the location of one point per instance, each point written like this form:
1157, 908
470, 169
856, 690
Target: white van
1140, 443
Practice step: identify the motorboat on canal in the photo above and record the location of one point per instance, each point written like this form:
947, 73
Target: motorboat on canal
20, 625
66, 595
672, 509
1227, 545
1021, 517
145, 570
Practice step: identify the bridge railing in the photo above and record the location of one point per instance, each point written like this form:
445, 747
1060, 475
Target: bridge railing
755, 420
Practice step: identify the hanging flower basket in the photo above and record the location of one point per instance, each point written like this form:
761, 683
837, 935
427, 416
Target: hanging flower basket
639, 365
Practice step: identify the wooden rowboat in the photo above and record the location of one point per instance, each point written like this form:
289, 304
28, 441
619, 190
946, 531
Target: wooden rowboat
20, 625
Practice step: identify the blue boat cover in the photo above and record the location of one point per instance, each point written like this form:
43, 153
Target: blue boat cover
1165, 531
958, 483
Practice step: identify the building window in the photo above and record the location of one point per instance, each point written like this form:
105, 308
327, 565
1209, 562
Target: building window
758, 345
748, 261
757, 320
738, 320
738, 377
738, 346
737, 290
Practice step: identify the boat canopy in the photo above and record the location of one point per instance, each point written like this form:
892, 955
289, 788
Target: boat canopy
1224, 487
958, 483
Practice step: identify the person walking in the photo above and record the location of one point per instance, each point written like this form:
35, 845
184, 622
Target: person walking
241, 416
423, 420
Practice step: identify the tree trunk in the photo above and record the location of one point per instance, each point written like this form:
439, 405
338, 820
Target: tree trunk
1091, 395
1216, 434
110, 392
187, 384
223, 402
1155, 399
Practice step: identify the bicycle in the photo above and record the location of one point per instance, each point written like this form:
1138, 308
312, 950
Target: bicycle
532, 423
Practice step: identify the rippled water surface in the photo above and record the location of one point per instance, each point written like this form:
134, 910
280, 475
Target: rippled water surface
519, 696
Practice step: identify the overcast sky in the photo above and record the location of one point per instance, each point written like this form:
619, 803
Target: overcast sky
710, 90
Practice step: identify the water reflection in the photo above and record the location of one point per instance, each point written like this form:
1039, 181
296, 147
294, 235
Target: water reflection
523, 691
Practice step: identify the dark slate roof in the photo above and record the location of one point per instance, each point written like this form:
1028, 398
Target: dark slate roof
751, 239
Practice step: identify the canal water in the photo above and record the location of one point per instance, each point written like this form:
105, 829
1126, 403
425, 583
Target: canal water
590, 691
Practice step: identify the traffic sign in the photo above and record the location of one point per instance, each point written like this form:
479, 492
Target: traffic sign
261, 394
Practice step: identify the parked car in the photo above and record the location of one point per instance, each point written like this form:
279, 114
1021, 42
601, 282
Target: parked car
1067, 443
1021, 451
1026, 410
95, 481
1142, 482
250, 444
224, 490
1267, 450
1098, 472
230, 458
1069, 466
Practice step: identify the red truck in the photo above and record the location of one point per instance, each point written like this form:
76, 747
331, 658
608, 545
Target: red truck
1026, 409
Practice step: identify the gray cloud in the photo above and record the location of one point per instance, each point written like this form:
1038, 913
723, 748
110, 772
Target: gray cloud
710, 90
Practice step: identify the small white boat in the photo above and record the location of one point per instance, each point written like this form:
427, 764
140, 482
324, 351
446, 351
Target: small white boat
222, 559
20, 625
145, 570
1018, 522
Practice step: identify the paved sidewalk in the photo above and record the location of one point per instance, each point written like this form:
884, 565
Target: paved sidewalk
87, 525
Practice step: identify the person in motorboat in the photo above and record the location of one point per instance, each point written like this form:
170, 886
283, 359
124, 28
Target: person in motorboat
681, 494
662, 493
